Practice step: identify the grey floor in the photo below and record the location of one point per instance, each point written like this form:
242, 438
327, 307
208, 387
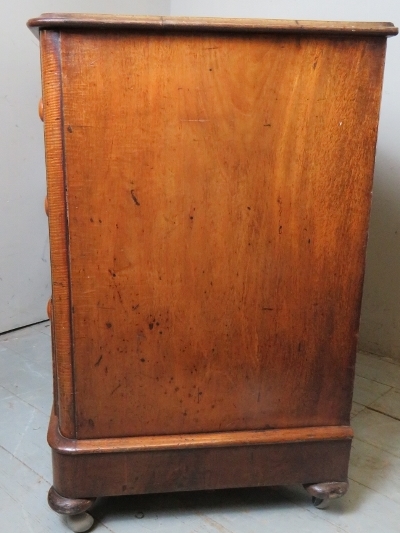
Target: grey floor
371, 505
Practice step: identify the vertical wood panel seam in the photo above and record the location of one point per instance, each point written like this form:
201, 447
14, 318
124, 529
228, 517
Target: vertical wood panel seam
67, 239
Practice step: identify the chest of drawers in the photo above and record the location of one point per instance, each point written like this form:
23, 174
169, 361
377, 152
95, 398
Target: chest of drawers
209, 186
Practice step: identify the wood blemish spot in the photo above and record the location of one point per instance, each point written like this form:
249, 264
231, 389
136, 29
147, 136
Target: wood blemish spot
112, 273
108, 324
134, 197
91, 219
116, 388
151, 325
69, 129
98, 361
143, 360
267, 308
134, 307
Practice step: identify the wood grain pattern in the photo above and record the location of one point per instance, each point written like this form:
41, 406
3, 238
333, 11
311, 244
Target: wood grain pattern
57, 213
217, 234
112, 22
114, 474
202, 440
209, 194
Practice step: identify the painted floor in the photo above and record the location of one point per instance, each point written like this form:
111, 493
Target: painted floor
371, 505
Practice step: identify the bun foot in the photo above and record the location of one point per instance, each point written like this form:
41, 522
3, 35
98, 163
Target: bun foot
323, 493
77, 519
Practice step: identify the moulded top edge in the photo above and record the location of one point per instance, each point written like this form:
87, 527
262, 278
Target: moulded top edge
109, 22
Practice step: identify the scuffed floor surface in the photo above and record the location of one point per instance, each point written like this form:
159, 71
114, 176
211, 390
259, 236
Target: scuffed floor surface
372, 503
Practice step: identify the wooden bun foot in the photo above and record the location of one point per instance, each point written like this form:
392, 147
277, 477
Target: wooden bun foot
78, 520
323, 493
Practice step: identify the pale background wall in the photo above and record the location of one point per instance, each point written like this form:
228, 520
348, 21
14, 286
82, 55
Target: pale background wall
24, 267
380, 317
24, 250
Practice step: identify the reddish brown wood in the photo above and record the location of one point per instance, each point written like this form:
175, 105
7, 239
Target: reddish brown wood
187, 441
216, 235
209, 195
165, 470
107, 22
122, 473
49, 308
68, 506
40, 110
58, 230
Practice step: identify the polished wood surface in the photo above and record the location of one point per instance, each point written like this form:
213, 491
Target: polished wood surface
216, 235
121, 473
208, 202
68, 505
40, 109
91, 472
58, 229
95, 21
200, 440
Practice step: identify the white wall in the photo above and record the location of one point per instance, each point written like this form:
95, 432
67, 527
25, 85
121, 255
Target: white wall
24, 249
380, 316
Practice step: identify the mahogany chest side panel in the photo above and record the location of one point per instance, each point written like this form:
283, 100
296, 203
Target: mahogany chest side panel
217, 192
